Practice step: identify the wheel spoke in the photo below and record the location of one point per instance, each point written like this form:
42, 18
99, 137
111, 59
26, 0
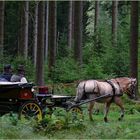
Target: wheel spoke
34, 107
26, 107
76, 113
36, 112
31, 109
23, 111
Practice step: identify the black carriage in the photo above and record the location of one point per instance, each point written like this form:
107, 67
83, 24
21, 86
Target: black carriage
28, 100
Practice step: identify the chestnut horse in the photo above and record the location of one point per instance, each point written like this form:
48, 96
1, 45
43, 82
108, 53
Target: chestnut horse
90, 89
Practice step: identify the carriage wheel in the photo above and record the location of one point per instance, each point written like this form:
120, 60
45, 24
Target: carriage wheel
30, 110
76, 113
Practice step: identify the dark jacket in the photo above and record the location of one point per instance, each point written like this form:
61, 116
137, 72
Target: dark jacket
6, 76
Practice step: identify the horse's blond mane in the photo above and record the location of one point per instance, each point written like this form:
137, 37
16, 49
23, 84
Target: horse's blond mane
121, 79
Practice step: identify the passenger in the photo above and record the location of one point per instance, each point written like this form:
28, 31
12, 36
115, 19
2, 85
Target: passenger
7, 73
20, 76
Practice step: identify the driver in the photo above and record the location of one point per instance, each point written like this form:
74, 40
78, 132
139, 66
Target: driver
7, 73
20, 76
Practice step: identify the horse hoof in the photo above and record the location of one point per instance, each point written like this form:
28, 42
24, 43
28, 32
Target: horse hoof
120, 119
96, 112
105, 120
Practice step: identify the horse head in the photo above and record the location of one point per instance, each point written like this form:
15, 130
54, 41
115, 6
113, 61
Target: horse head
131, 88
128, 86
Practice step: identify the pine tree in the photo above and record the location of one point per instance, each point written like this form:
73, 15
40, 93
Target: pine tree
40, 46
2, 3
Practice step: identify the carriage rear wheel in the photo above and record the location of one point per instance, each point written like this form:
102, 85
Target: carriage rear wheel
30, 110
76, 113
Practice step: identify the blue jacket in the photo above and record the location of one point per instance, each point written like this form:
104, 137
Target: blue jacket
6, 76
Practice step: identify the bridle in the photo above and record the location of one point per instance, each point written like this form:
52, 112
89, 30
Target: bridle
131, 90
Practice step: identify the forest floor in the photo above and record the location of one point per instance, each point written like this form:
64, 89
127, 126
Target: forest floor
58, 127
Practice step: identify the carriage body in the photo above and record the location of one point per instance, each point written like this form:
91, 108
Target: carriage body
14, 95
28, 100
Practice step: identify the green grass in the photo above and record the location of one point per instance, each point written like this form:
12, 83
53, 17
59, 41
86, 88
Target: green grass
98, 129
60, 126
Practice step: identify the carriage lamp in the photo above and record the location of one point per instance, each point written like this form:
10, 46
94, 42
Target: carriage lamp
25, 94
43, 89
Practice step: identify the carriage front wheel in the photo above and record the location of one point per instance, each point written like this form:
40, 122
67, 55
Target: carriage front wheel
30, 110
76, 113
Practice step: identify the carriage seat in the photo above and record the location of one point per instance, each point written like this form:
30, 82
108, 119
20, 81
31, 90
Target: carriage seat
11, 83
15, 85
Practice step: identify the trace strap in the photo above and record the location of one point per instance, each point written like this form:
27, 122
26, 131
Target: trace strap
112, 85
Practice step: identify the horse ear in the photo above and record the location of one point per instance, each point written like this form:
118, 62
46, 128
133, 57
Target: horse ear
134, 80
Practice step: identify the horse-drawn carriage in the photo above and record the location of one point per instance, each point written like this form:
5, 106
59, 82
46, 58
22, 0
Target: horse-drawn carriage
30, 101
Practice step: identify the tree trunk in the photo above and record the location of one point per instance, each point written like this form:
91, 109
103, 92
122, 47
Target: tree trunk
96, 22
52, 35
70, 25
47, 30
78, 30
96, 15
1, 27
114, 22
23, 45
134, 40
35, 33
40, 46
73, 22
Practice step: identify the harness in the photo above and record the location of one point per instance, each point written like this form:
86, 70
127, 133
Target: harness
84, 88
121, 91
87, 93
112, 85
113, 89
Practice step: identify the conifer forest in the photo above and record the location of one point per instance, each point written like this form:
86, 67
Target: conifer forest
63, 42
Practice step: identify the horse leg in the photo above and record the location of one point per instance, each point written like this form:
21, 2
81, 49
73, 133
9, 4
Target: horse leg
107, 106
118, 102
96, 110
90, 108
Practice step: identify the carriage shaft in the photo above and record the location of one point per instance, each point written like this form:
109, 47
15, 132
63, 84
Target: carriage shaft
94, 99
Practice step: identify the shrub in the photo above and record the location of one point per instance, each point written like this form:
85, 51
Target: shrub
66, 70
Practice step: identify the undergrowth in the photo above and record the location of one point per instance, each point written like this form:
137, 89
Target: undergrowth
62, 125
